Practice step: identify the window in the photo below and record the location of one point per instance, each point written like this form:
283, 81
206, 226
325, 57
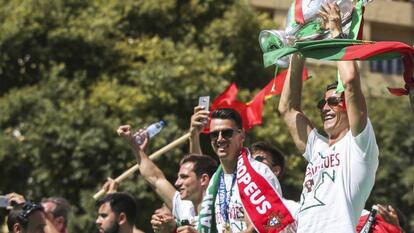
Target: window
393, 66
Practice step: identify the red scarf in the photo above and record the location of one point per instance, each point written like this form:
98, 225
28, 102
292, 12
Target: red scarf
260, 199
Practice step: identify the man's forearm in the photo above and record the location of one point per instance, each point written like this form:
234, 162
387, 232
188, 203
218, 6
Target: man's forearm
156, 178
355, 101
292, 88
289, 105
148, 169
195, 147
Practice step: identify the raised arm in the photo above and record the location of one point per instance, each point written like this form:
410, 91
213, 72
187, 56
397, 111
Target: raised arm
348, 72
164, 189
289, 105
198, 121
356, 106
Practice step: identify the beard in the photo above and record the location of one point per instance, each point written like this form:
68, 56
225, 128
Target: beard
114, 228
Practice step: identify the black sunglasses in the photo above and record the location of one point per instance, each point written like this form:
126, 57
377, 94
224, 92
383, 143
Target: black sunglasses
331, 101
261, 158
225, 133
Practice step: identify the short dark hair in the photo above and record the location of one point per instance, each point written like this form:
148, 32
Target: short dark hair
62, 207
203, 164
228, 113
20, 214
332, 86
121, 202
277, 156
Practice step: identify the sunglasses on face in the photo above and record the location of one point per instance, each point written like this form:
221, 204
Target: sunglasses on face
332, 101
262, 158
225, 133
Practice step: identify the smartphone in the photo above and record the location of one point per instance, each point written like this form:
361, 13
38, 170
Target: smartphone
4, 202
204, 101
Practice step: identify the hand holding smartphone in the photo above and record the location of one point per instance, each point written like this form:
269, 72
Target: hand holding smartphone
4, 201
204, 101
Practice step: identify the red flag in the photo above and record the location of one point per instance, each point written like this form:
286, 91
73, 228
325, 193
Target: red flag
366, 51
252, 111
226, 98
275, 86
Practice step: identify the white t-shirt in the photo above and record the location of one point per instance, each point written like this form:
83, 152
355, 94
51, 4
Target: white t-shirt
183, 210
338, 181
236, 210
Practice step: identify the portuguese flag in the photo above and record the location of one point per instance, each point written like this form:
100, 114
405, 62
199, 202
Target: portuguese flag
252, 111
347, 49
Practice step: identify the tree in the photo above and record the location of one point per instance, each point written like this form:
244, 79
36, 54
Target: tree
72, 71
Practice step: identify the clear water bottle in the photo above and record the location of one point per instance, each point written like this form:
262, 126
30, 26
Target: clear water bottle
367, 228
152, 130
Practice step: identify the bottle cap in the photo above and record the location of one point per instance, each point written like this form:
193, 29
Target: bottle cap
162, 123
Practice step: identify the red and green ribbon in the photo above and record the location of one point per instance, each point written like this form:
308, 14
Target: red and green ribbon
348, 49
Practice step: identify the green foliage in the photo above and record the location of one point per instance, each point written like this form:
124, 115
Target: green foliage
393, 127
72, 71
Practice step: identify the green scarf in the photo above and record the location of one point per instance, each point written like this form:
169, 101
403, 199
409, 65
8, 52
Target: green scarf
206, 217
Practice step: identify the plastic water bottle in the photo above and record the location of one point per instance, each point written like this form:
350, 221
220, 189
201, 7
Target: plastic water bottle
152, 130
367, 228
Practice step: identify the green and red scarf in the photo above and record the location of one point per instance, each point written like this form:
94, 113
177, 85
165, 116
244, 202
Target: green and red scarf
260, 200
347, 49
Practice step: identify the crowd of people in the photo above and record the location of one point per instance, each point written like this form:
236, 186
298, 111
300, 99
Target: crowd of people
241, 192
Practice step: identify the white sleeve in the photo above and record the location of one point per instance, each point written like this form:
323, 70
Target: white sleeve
367, 142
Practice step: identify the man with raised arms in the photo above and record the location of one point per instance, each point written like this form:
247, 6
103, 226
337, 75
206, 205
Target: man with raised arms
193, 178
342, 166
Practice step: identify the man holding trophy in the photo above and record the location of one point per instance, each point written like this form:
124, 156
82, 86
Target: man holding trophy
341, 170
304, 23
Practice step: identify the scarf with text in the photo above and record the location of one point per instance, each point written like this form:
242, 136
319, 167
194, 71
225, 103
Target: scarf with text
206, 217
260, 199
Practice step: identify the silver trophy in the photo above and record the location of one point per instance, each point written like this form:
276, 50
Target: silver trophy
310, 29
